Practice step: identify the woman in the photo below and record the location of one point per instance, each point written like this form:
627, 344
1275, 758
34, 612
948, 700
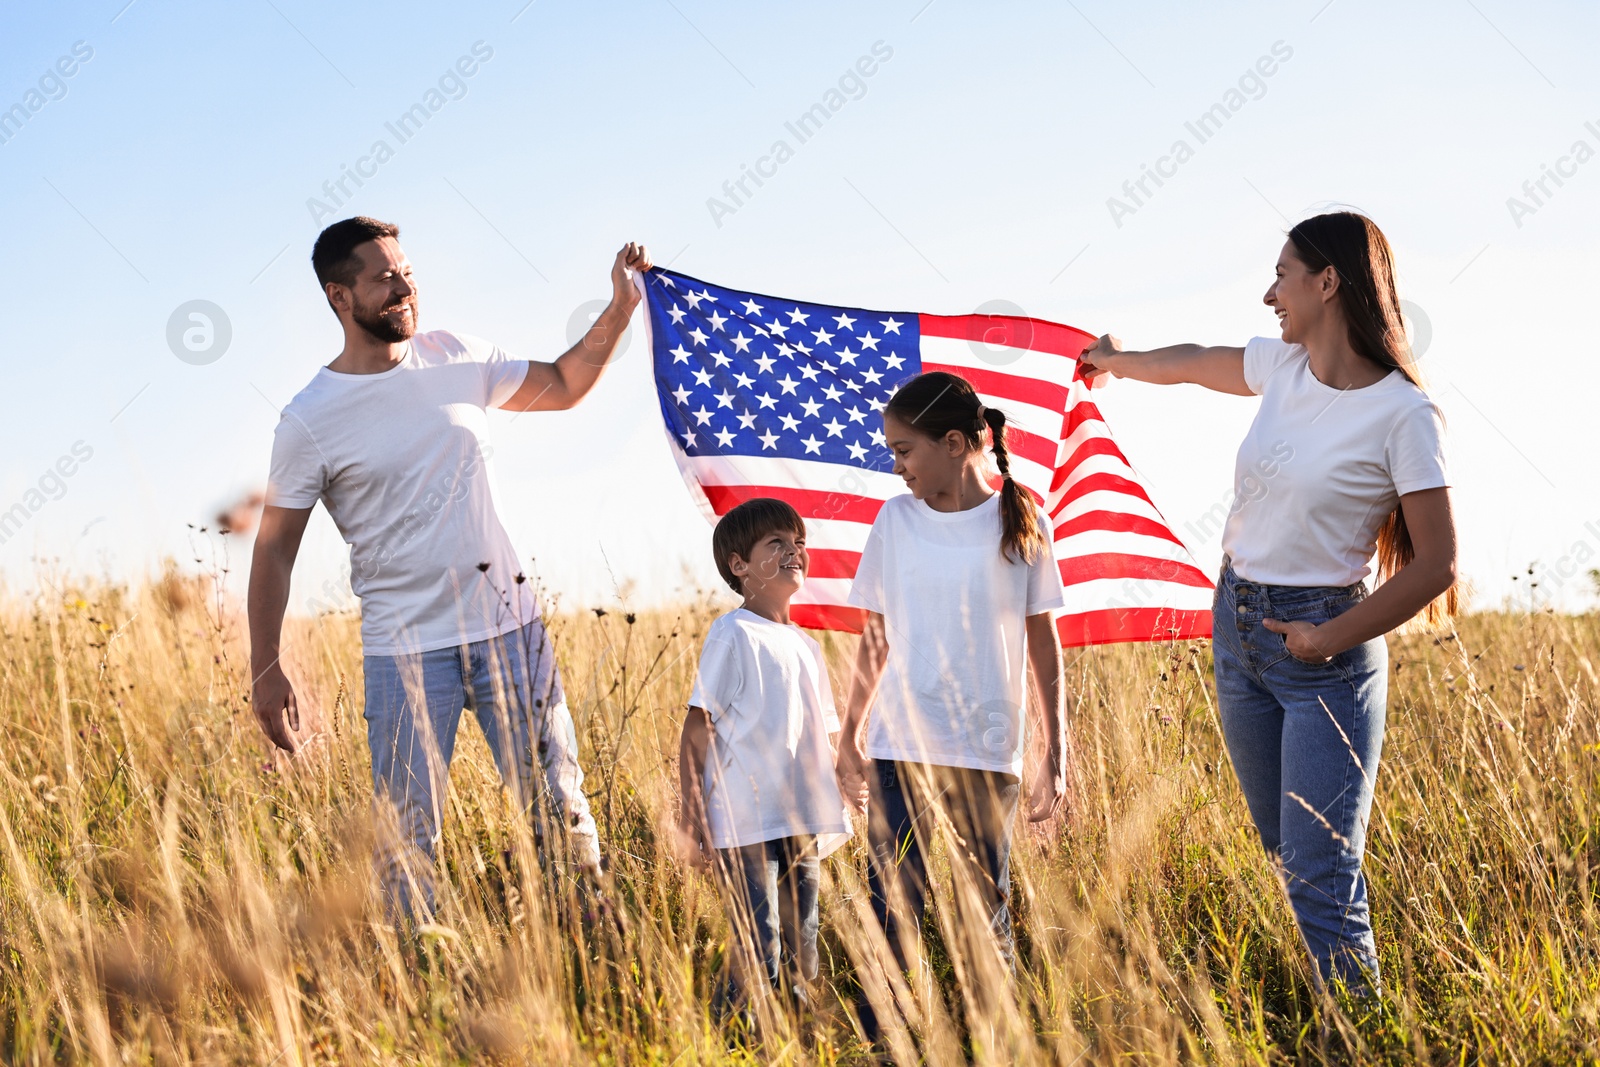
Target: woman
1344, 461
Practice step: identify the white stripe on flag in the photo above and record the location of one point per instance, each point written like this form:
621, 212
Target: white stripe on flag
1023, 363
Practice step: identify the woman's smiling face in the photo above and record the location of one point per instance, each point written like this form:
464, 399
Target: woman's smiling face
1297, 295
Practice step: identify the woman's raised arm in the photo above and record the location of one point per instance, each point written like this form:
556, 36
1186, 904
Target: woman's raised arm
1219, 367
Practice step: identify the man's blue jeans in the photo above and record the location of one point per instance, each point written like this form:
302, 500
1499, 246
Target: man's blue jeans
1305, 740
414, 705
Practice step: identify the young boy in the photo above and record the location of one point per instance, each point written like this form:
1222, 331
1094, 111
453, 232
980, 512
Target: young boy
755, 760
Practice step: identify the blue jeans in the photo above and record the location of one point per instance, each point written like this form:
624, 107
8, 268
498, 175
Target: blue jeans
901, 824
414, 705
772, 912
1305, 741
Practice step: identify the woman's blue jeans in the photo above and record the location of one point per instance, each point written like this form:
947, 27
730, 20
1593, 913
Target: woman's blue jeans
1305, 740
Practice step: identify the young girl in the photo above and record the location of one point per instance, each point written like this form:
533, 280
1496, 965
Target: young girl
958, 581
1301, 664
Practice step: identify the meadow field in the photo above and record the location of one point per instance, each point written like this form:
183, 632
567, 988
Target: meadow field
171, 892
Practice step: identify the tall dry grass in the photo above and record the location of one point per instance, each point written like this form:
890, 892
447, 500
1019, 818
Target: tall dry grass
170, 892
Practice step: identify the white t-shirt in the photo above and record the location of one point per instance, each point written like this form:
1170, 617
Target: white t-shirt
954, 687
401, 460
769, 772
1321, 469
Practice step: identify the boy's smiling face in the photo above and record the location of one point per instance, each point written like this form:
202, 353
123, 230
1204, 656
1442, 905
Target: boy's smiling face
777, 566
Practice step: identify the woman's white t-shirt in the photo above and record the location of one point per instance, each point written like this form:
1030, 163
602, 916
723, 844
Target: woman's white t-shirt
1322, 468
954, 686
769, 773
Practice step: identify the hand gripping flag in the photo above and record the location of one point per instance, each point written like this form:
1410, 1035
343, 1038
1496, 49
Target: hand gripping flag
765, 397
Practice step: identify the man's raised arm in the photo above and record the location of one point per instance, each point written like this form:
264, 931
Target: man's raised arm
560, 385
271, 695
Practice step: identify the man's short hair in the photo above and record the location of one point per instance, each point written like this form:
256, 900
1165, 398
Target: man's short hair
741, 528
333, 257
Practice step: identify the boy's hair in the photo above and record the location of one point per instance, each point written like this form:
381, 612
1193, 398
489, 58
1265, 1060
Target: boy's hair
740, 529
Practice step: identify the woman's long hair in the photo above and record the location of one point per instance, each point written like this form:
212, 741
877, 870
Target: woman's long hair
1360, 255
937, 402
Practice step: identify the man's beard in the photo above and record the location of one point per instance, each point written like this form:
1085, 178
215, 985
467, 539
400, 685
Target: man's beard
391, 330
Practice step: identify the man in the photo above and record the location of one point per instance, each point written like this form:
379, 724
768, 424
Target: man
392, 437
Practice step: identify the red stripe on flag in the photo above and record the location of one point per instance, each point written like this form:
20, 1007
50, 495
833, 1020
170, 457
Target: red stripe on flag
1109, 625
1041, 450
1114, 522
1075, 569
1083, 411
827, 617
834, 563
1036, 335
1094, 446
810, 503
1036, 391
1093, 483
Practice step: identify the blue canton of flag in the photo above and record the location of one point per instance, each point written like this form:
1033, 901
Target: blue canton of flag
745, 375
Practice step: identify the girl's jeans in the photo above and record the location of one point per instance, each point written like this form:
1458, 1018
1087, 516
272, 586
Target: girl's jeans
1305, 740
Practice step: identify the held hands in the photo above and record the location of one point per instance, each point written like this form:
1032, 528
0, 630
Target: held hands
852, 766
632, 257
278, 710
1304, 640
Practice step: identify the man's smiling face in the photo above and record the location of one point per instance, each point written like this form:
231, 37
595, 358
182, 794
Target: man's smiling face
383, 296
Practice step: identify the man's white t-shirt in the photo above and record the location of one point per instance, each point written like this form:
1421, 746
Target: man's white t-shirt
1322, 468
769, 772
401, 461
954, 687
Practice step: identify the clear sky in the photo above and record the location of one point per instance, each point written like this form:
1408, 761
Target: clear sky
973, 166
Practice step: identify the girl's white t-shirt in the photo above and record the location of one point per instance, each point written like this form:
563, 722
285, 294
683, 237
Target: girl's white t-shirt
769, 773
1322, 468
954, 686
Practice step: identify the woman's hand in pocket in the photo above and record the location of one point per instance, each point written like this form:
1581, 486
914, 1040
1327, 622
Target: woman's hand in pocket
1304, 640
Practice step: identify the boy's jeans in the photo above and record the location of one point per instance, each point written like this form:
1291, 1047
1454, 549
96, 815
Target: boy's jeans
772, 909
414, 705
1305, 740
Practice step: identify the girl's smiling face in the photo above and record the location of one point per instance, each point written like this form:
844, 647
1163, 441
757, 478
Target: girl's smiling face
928, 465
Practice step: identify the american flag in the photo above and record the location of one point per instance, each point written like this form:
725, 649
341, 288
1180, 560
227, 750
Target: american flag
768, 397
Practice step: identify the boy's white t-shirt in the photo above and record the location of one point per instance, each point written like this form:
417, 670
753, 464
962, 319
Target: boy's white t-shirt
1321, 469
401, 460
769, 773
954, 687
